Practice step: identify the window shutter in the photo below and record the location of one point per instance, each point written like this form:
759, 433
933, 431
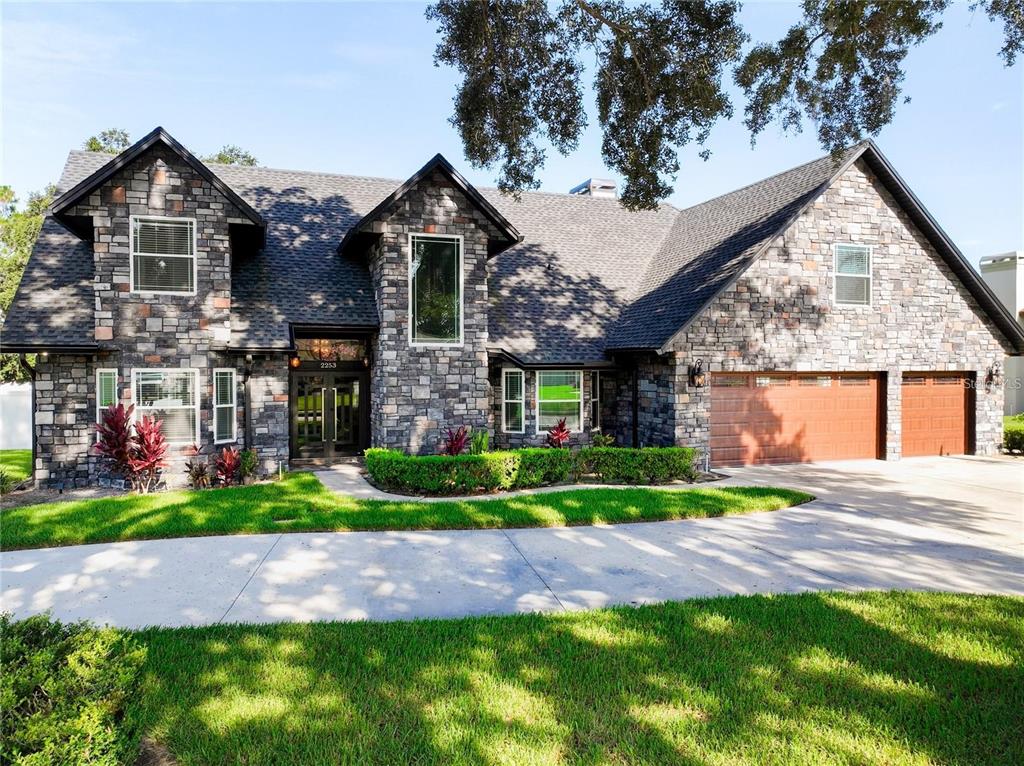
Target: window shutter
224, 414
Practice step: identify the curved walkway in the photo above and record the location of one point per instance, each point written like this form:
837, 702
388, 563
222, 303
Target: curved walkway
934, 524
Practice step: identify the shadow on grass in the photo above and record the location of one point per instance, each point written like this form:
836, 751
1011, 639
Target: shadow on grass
815, 678
300, 503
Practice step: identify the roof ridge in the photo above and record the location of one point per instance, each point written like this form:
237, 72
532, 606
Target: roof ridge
846, 154
396, 181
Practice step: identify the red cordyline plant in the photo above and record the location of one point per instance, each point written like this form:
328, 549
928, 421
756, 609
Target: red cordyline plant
116, 438
455, 441
147, 458
228, 465
135, 454
558, 434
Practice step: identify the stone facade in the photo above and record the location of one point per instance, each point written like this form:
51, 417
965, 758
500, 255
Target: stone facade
780, 315
149, 330
415, 392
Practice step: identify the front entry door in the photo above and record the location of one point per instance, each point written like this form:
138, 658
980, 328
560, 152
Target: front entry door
328, 414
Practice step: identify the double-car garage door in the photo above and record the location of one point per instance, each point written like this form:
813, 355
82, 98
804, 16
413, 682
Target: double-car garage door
799, 417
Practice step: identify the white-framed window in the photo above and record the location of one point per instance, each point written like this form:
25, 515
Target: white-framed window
595, 400
171, 395
435, 290
559, 395
853, 275
163, 255
106, 392
225, 419
513, 401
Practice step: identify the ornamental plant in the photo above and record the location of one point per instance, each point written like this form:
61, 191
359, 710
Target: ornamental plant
147, 454
249, 463
455, 441
197, 470
228, 466
558, 434
479, 442
116, 438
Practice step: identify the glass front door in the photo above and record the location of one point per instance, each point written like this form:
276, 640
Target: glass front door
328, 417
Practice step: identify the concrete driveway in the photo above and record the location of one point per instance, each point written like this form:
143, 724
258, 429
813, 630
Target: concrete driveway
929, 524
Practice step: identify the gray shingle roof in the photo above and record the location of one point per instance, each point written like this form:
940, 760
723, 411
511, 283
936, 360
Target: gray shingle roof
588, 277
53, 305
709, 246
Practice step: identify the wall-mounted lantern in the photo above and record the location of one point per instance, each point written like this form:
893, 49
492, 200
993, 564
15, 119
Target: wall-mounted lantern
994, 376
698, 378
294, 362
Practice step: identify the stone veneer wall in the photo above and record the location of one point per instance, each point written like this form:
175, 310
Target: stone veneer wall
139, 330
65, 410
415, 392
780, 315
657, 410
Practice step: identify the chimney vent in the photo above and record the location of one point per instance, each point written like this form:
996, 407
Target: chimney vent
595, 187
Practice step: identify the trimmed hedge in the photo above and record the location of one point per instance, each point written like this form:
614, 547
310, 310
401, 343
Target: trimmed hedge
64, 689
1013, 433
524, 468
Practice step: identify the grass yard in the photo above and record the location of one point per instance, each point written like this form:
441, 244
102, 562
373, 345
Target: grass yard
871, 678
16, 463
300, 503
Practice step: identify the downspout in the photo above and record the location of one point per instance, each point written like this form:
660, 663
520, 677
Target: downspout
246, 375
636, 405
23, 361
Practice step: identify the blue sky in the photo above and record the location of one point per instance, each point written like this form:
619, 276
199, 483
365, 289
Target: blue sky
351, 88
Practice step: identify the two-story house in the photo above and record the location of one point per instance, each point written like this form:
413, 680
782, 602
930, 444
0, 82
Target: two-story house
817, 314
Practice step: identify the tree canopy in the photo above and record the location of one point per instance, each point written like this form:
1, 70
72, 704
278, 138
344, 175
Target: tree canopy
230, 154
659, 74
112, 141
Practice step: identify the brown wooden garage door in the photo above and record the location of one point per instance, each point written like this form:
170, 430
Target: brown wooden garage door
935, 413
792, 418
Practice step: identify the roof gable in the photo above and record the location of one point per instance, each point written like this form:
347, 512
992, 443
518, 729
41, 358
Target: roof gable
712, 245
62, 206
510, 235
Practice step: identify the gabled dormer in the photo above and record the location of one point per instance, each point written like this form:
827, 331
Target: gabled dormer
163, 228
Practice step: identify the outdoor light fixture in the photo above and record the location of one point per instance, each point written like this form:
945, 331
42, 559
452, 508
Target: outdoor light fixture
697, 376
995, 375
294, 362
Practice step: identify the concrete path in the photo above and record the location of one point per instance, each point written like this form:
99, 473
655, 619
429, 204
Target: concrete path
930, 524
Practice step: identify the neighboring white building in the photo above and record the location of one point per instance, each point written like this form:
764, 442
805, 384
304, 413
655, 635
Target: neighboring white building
15, 416
1004, 273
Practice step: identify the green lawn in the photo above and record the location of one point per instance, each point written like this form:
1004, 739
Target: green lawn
300, 503
16, 463
871, 678
1013, 422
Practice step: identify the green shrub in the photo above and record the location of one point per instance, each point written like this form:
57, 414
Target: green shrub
63, 690
524, 468
1013, 433
648, 465
479, 441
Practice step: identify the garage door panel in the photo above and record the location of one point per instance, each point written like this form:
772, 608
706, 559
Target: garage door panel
935, 414
791, 417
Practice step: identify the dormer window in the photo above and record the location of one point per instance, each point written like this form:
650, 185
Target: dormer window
163, 255
435, 290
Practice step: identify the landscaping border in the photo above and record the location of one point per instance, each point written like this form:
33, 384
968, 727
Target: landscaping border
447, 475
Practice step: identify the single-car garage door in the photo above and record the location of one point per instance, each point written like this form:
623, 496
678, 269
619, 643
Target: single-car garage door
935, 413
791, 418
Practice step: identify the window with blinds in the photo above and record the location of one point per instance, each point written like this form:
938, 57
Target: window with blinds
225, 422
163, 255
512, 401
106, 392
853, 275
171, 396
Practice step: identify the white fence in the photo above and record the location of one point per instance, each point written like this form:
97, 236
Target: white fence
15, 416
